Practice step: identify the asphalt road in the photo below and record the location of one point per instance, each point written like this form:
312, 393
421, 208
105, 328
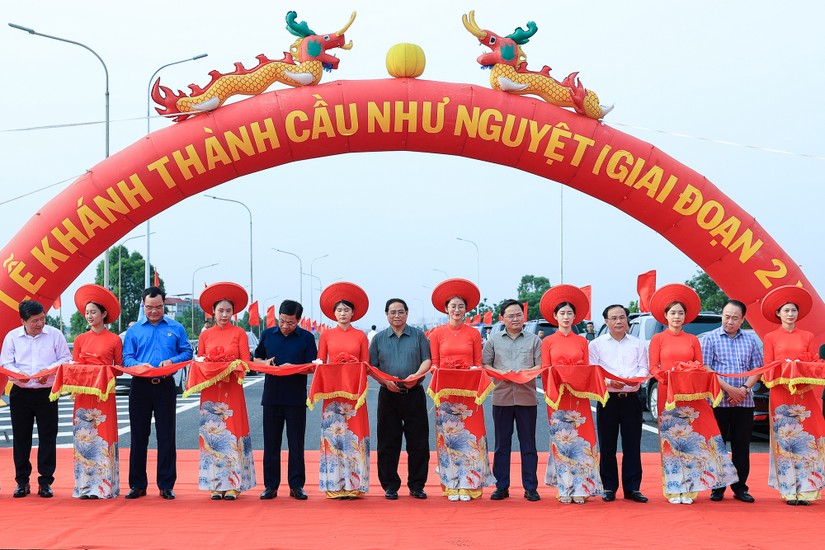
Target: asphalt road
187, 422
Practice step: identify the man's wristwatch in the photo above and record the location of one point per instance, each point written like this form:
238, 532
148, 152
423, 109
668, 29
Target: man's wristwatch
745, 386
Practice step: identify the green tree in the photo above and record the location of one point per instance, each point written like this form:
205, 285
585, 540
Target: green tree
633, 306
54, 321
126, 277
77, 324
713, 299
184, 317
530, 290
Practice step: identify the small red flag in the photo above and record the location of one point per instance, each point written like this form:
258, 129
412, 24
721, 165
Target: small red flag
57, 303
254, 317
157, 279
270, 317
477, 319
526, 307
468, 320
499, 318
646, 286
588, 291
488, 317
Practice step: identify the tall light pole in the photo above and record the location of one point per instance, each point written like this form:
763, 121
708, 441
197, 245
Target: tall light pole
106, 71
146, 273
430, 291
478, 263
300, 272
320, 286
251, 288
446, 275
192, 303
120, 276
312, 302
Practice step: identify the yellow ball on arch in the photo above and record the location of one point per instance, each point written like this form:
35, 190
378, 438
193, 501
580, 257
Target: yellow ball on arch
406, 61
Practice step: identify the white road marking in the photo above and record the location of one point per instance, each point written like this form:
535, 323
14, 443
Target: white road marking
122, 406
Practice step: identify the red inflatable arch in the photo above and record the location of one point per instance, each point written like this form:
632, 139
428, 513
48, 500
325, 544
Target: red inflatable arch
395, 115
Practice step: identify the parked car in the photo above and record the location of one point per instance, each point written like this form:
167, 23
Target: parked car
644, 326
761, 393
537, 325
253, 345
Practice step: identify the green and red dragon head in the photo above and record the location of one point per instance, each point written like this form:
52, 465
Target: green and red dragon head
505, 49
312, 46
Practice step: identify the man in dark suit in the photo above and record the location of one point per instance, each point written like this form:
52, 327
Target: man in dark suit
284, 399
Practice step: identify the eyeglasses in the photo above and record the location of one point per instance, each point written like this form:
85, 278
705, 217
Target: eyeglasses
514, 316
396, 313
614, 319
283, 323
153, 308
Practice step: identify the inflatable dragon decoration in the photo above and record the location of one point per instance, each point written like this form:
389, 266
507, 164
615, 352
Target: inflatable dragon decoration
509, 71
309, 51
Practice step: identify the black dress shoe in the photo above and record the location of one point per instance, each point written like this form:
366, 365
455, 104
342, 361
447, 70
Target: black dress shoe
45, 490
269, 493
298, 493
500, 494
717, 494
84, 497
744, 496
135, 493
93, 497
22, 490
609, 496
389, 494
635, 496
797, 502
532, 495
418, 493
167, 494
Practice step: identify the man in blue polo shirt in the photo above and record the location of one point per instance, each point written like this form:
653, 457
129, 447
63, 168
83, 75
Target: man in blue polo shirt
727, 350
284, 399
155, 341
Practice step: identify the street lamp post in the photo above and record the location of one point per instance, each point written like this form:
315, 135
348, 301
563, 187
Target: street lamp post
146, 273
120, 276
320, 286
300, 272
478, 262
446, 275
311, 288
192, 306
251, 288
106, 71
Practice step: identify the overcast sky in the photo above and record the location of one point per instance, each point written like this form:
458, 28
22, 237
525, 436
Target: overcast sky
742, 72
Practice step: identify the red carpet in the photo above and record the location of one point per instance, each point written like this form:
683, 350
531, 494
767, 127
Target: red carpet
373, 522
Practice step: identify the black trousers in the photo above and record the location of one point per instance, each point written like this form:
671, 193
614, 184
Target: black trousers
403, 414
295, 419
736, 426
620, 414
146, 399
524, 418
27, 405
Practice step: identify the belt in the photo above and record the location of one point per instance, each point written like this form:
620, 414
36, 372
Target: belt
624, 394
404, 389
156, 380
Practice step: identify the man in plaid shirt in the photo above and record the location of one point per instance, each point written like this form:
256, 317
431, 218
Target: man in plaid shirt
727, 350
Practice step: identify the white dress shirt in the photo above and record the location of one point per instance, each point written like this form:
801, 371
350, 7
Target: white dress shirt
32, 354
625, 358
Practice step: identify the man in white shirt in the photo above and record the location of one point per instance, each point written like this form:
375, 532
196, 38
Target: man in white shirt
624, 356
31, 349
